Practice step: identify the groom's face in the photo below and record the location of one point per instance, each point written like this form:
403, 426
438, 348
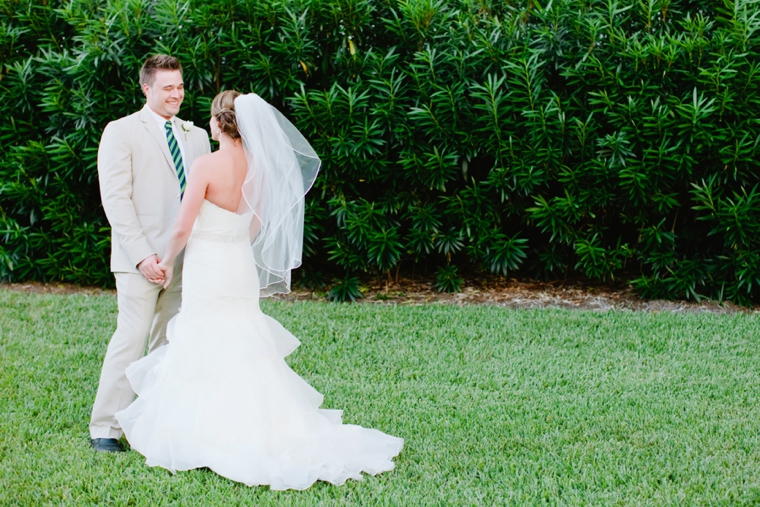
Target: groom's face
165, 95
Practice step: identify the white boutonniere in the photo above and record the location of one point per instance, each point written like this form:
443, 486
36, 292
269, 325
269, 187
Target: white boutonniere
186, 128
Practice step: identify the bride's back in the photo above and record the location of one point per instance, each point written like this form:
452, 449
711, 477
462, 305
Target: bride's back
227, 171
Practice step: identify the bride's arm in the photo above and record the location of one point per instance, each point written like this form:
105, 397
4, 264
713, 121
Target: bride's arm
195, 193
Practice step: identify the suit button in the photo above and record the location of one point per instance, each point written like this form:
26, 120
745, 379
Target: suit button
176, 195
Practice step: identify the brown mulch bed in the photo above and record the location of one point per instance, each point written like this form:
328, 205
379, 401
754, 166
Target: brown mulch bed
511, 293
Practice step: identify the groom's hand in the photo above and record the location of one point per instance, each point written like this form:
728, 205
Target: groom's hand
149, 267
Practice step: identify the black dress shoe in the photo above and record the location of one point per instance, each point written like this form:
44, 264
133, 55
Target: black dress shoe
106, 445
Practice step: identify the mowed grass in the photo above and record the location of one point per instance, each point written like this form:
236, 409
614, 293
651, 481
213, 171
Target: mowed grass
497, 406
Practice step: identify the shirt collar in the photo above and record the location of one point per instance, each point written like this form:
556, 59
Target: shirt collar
160, 119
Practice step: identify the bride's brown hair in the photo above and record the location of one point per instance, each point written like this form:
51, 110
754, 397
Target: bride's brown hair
223, 109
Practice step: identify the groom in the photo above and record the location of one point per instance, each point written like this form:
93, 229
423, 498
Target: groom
143, 165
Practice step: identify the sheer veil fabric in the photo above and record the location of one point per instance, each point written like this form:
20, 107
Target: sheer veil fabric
282, 167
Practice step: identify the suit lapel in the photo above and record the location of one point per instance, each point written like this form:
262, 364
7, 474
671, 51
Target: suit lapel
187, 143
160, 137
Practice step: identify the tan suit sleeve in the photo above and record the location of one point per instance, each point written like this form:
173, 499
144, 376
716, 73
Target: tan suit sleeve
115, 176
204, 142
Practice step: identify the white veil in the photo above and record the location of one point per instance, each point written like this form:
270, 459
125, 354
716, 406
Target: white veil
282, 167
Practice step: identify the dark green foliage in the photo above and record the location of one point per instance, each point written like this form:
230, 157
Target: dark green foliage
612, 138
346, 289
447, 279
311, 280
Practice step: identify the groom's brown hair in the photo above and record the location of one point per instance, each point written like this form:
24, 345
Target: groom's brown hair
156, 63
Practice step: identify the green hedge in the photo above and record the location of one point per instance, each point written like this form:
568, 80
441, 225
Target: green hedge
608, 139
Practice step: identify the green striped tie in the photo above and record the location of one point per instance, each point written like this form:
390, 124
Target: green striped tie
177, 157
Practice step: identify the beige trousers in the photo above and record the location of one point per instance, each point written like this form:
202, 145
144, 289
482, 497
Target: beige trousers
145, 309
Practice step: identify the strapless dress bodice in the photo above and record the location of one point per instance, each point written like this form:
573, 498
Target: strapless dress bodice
218, 224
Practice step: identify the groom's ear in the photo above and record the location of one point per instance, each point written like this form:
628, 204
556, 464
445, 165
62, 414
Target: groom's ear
145, 88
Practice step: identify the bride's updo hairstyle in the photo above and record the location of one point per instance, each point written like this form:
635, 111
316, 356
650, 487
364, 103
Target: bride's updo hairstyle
223, 109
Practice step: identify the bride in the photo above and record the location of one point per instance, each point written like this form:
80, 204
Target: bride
220, 394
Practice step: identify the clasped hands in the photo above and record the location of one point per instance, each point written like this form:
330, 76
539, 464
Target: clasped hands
156, 271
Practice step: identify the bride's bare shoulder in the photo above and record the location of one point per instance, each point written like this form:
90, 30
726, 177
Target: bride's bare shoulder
210, 160
213, 157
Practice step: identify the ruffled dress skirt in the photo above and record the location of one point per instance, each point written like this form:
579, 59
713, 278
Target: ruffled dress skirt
220, 394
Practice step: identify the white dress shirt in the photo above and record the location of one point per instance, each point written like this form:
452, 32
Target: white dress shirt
177, 135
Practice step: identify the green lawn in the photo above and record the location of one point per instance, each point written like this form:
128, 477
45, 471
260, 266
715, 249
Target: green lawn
506, 407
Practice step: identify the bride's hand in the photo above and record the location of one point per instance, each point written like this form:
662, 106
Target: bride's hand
168, 273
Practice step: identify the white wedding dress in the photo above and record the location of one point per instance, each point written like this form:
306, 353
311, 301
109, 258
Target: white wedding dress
220, 394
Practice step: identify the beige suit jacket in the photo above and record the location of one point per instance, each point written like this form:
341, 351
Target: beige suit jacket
139, 186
